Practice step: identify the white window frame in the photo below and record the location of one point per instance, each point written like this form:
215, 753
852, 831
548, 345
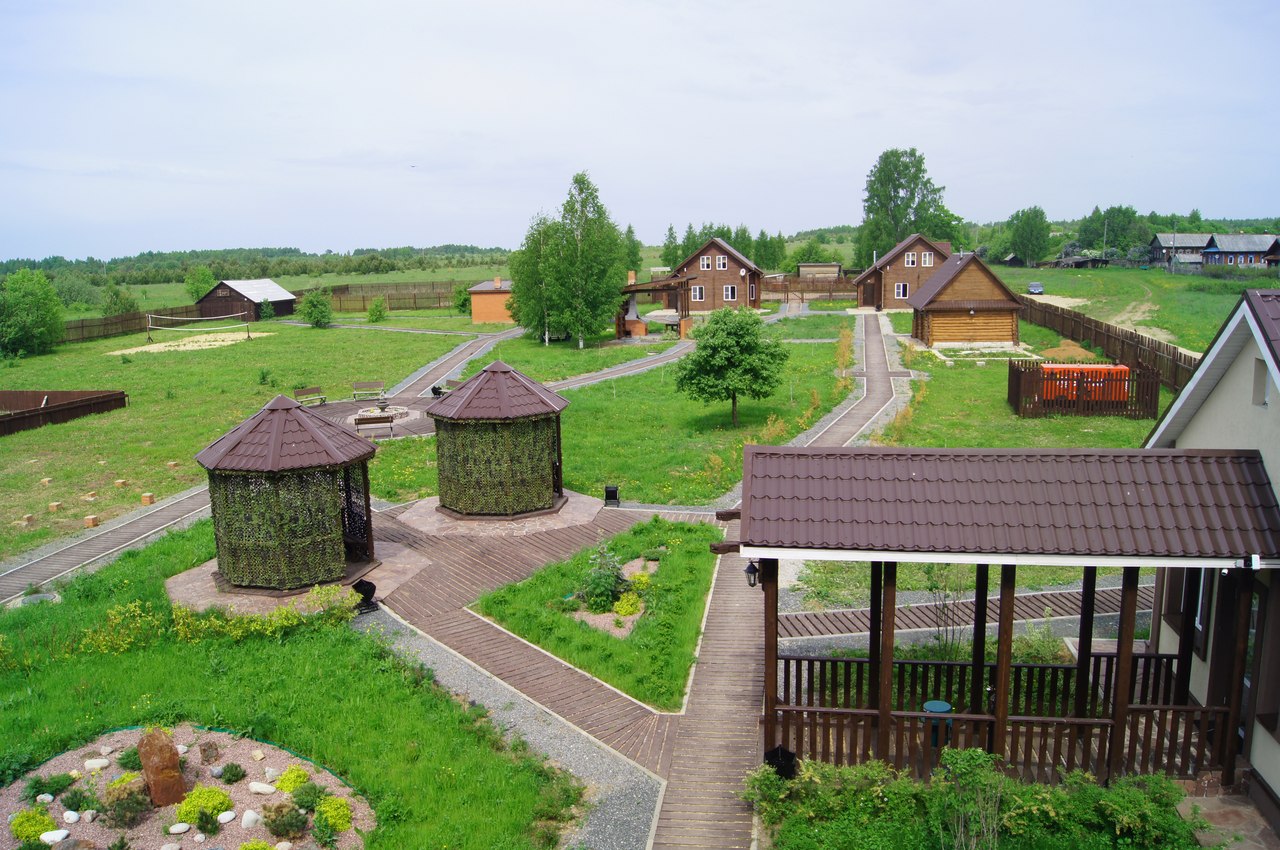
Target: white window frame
1231, 259
697, 293
722, 262
704, 263
730, 292
901, 289
751, 292
926, 259
909, 259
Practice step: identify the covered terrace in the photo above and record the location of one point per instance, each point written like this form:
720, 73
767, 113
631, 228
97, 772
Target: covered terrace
1111, 713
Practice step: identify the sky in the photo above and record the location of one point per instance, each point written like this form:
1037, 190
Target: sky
177, 125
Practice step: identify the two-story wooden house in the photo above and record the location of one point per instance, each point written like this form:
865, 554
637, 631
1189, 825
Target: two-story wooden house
889, 282
718, 275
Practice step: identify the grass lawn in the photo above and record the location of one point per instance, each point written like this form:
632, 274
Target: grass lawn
562, 359
812, 327
179, 401
831, 305
437, 773
652, 663
469, 274
435, 320
901, 322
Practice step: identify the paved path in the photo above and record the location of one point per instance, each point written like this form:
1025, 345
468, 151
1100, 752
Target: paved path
878, 388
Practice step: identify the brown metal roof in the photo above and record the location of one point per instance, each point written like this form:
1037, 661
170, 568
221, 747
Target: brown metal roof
497, 392
285, 435
921, 299
488, 286
953, 306
1264, 304
942, 249
1010, 503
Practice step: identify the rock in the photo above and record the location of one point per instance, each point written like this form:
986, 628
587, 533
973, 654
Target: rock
179, 828
227, 816
182, 749
74, 774
88, 815
199, 838
96, 764
75, 844
106, 750
208, 751
284, 845
258, 755
44, 798
216, 771
171, 847
70, 817
160, 767
53, 836
261, 788
250, 819
272, 773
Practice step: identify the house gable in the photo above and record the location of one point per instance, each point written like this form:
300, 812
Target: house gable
893, 259
963, 282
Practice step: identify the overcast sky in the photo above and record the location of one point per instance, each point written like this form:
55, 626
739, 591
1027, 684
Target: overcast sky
133, 126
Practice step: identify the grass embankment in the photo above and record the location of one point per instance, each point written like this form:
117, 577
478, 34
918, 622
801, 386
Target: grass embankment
179, 401
652, 663
563, 359
437, 773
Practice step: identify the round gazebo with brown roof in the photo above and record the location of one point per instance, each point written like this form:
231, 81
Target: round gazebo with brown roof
290, 496
498, 445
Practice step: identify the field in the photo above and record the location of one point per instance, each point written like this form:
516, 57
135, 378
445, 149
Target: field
471, 274
178, 403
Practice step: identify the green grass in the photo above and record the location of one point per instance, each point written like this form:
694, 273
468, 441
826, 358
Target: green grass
562, 359
435, 320
437, 773
825, 305
901, 322
652, 663
468, 274
151, 297
179, 402
811, 327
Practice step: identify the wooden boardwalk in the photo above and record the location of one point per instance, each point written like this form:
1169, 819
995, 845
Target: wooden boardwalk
878, 386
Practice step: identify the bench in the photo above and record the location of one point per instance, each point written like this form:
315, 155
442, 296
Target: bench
368, 389
375, 419
309, 396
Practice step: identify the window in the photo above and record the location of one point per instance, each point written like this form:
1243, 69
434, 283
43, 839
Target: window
751, 292
722, 262
900, 291
1261, 383
910, 259
1204, 601
926, 259
1240, 260
222, 293
704, 263
697, 293
731, 293
1231, 259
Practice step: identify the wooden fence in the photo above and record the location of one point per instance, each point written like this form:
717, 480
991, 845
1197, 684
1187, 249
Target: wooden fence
811, 288
83, 330
23, 410
1172, 364
1033, 393
358, 302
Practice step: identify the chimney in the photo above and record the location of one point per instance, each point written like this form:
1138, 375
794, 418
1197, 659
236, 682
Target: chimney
497, 282
631, 277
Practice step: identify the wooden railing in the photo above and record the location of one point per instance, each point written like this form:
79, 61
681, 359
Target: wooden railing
1034, 393
83, 330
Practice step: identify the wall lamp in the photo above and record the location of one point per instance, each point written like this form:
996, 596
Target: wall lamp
753, 573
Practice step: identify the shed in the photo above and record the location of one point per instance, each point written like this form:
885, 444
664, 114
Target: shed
489, 301
818, 271
246, 296
964, 302
498, 445
290, 496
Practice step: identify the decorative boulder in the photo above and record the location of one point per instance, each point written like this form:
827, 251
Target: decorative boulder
161, 769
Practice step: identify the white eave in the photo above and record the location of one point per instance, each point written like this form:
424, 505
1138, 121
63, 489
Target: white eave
998, 558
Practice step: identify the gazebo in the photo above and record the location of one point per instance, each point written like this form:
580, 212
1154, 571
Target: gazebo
290, 496
498, 445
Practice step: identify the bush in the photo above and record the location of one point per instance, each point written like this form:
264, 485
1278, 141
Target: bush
308, 795
284, 820
30, 824
203, 798
627, 604
377, 310
266, 311
294, 777
125, 807
462, 299
129, 759
603, 581
337, 811
256, 844
641, 583
30, 314
316, 308
52, 785
80, 800
323, 833
117, 301
207, 822
232, 773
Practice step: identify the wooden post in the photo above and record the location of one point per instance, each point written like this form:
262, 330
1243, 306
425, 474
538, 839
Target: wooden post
1230, 736
1122, 687
769, 579
873, 635
1004, 654
1084, 655
1186, 636
886, 659
977, 689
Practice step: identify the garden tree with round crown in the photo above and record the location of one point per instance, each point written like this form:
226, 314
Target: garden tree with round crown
584, 266
1029, 235
30, 314
316, 308
901, 199
671, 248
733, 358
633, 247
198, 282
530, 302
810, 252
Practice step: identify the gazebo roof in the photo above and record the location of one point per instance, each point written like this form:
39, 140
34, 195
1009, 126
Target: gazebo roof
284, 435
497, 392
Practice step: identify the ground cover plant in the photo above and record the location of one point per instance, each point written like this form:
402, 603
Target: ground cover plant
969, 804
901, 321
563, 359
431, 766
833, 305
179, 401
652, 663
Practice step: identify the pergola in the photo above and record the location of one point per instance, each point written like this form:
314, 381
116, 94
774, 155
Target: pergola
1109, 713
675, 289
290, 497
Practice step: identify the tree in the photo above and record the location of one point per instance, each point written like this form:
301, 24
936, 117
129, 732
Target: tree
316, 308
117, 301
632, 245
530, 302
900, 200
671, 248
198, 282
741, 239
810, 252
1029, 235
30, 314
733, 358
461, 299
266, 310
584, 269
690, 242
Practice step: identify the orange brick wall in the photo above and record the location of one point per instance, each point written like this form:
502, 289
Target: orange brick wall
490, 307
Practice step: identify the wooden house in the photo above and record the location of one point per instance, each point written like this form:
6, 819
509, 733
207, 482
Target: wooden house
1166, 246
963, 301
892, 278
246, 296
1250, 250
716, 275
489, 302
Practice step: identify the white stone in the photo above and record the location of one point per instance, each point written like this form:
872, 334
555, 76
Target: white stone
250, 819
182, 749
54, 836
88, 815
258, 755
44, 798
284, 845
227, 816
171, 847
96, 764
272, 773
261, 788
199, 838
74, 774
179, 828
71, 817
106, 750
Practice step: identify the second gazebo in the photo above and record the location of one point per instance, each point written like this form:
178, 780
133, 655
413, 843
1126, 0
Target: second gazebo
498, 445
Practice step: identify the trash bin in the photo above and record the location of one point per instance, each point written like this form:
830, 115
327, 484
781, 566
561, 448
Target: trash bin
782, 760
937, 706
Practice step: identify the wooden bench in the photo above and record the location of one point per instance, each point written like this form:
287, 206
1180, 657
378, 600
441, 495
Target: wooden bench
310, 396
368, 389
375, 419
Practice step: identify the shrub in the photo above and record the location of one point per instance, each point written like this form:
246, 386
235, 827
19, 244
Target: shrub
461, 299
80, 800
316, 308
52, 785
232, 773
129, 759
266, 311
125, 627
627, 604
30, 314
603, 581
118, 301
30, 824
284, 820
126, 810
203, 798
207, 822
323, 833
121, 843
255, 844
377, 310
307, 795
337, 811
292, 779
641, 583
